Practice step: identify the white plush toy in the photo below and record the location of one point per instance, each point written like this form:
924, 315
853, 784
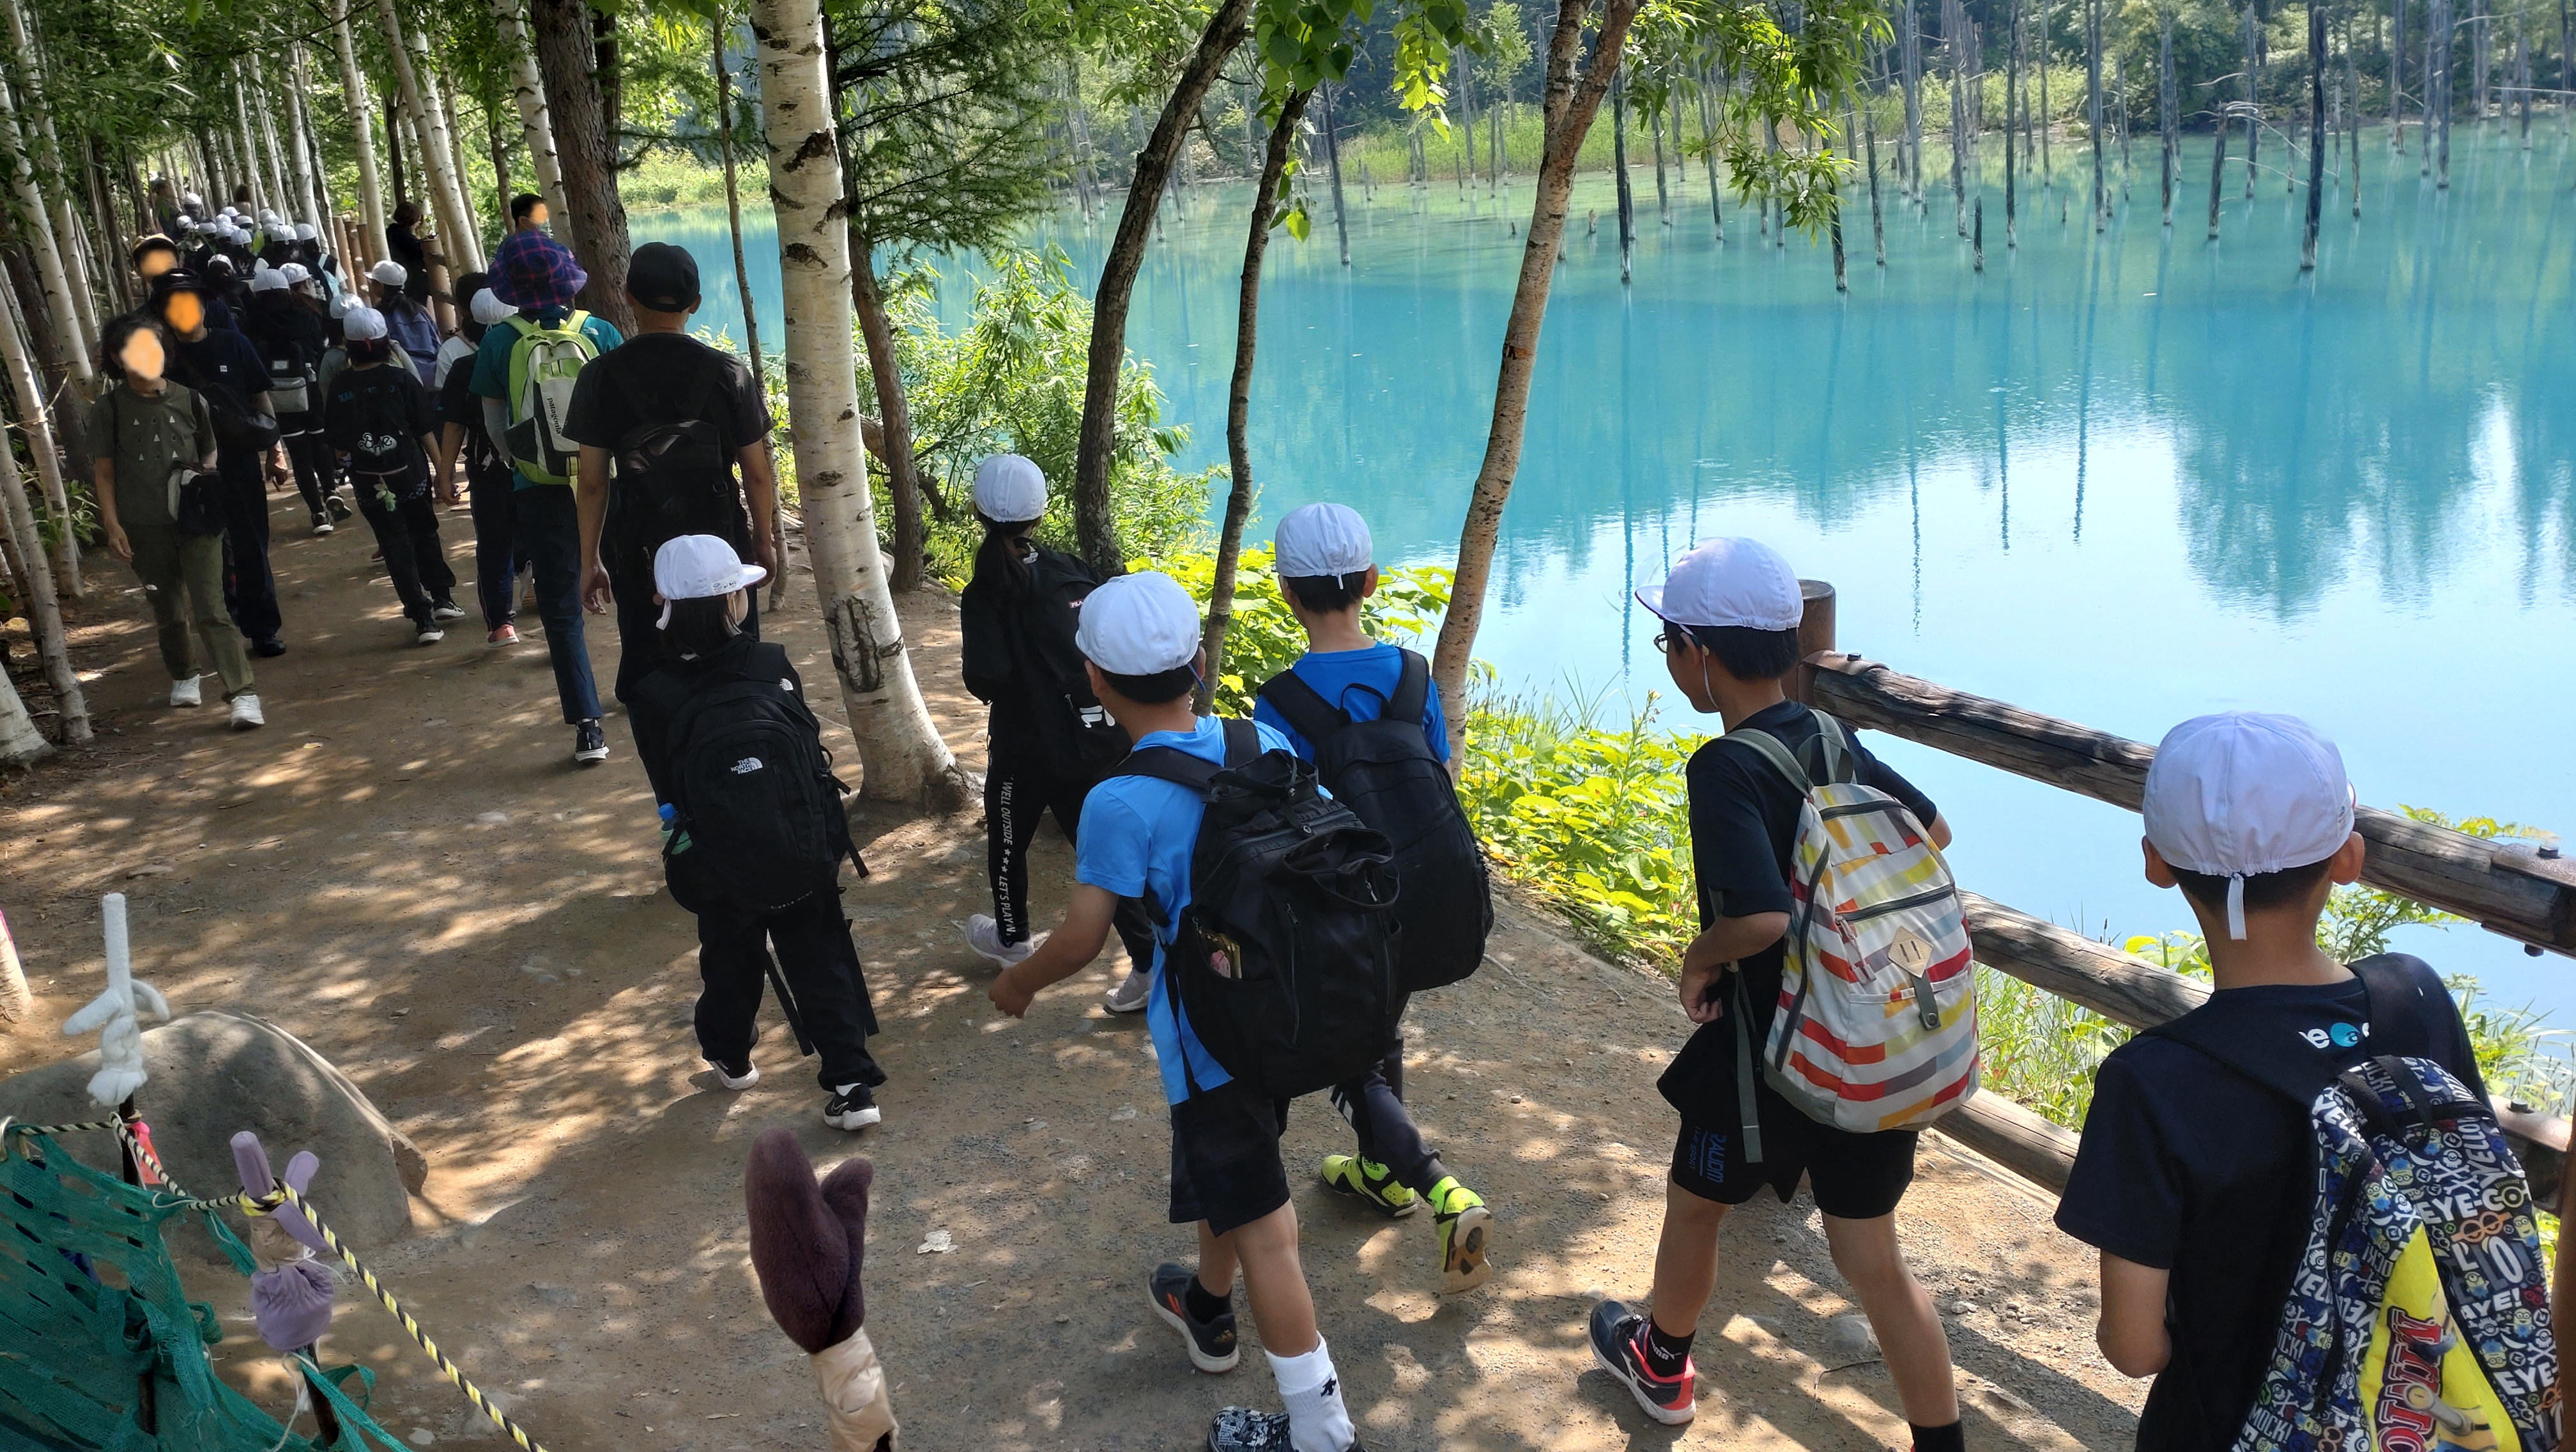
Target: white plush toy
115, 1014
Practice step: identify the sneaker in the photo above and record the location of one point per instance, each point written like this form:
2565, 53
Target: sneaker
985, 937
1464, 1225
429, 633
269, 649
339, 506
445, 610
1241, 1429
1370, 1183
322, 524
1131, 993
741, 1076
1212, 1343
1619, 1347
589, 743
852, 1106
506, 635
187, 693
246, 713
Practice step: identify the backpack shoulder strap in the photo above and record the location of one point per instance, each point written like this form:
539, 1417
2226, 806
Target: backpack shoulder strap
1411, 702
1835, 747
1315, 718
1768, 747
1242, 742
1183, 769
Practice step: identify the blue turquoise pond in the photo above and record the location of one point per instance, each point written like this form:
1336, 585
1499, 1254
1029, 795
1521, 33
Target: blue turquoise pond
2119, 478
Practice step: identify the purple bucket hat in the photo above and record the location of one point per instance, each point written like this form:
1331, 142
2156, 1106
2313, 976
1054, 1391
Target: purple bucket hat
532, 271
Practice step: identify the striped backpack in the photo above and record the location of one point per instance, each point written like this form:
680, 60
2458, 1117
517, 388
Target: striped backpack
1876, 1027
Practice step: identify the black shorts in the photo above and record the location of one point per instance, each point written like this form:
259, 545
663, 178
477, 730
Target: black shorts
1853, 1176
1225, 1158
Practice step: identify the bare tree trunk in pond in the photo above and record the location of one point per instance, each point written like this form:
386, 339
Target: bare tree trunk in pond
2253, 80
1954, 26
2316, 133
1333, 158
2217, 166
1911, 38
2165, 89
1619, 165
2012, 90
1708, 154
2397, 76
1655, 129
1094, 528
1573, 98
1877, 221
1238, 398
2440, 82
2093, 104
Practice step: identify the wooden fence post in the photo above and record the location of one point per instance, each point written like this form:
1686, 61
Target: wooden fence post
1815, 634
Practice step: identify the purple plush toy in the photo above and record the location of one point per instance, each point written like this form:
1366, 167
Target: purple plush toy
807, 1242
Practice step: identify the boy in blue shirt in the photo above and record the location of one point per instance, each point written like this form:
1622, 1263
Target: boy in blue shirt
1139, 637
1327, 567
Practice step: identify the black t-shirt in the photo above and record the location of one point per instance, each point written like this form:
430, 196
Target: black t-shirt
404, 246
2190, 1168
377, 416
459, 405
660, 377
223, 362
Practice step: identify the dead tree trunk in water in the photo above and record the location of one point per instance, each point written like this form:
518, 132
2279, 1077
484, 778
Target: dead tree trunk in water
2253, 98
2012, 91
2217, 170
1619, 164
1708, 154
1912, 39
1333, 154
2093, 103
2316, 132
1877, 220
2165, 89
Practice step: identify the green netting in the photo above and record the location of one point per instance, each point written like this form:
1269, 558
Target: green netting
91, 1305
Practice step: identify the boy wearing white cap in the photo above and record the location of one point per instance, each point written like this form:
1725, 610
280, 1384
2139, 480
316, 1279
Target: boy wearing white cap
1730, 610
407, 321
378, 419
1046, 740
733, 837
1326, 562
1140, 638
2195, 1178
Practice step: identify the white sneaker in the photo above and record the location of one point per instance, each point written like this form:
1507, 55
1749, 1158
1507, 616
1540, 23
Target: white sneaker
246, 715
749, 1076
186, 693
446, 610
323, 527
985, 937
428, 634
1131, 994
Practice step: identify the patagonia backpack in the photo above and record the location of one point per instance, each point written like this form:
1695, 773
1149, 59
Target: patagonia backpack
543, 364
674, 477
1876, 1027
1076, 735
754, 795
1284, 959
2417, 1315
1384, 771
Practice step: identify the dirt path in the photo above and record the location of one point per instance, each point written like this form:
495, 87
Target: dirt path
405, 870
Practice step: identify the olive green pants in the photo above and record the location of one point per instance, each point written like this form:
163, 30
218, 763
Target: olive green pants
183, 577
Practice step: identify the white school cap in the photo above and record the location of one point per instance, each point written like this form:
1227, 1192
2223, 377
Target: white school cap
2240, 794
1317, 540
295, 272
342, 306
488, 310
388, 272
698, 567
1139, 625
268, 218
1010, 489
362, 325
1728, 582
306, 232
265, 278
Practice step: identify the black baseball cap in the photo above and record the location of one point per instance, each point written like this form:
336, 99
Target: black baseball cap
663, 277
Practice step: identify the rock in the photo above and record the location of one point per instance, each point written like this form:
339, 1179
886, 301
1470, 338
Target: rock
1997, 1396
1963, 1308
938, 1242
219, 1072
1849, 1338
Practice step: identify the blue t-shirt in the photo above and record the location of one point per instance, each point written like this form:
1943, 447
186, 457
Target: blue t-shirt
1358, 681
1137, 836
492, 367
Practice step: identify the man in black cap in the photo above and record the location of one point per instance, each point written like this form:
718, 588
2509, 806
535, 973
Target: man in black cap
665, 425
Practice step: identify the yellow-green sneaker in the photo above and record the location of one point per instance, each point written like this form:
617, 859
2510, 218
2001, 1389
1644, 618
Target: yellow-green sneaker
1465, 1227
1372, 1184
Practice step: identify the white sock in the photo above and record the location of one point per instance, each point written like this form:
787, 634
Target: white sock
1317, 1420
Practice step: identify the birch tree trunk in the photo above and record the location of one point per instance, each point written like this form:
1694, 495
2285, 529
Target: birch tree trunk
1095, 529
299, 131
29, 390
467, 254
1238, 398
436, 153
1573, 99
71, 353
20, 744
283, 199
67, 231
902, 756
1708, 154
43, 606
528, 94
362, 108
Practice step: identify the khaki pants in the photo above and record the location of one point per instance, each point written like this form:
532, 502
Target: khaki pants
183, 577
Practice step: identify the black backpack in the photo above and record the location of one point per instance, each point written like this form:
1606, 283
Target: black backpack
675, 477
1285, 958
1077, 737
1383, 770
754, 793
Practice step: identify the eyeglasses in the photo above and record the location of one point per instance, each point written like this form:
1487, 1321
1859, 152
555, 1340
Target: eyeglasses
1670, 636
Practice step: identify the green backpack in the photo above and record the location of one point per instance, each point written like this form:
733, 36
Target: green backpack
543, 364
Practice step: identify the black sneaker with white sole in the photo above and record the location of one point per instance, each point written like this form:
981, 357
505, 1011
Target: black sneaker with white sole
589, 743
1212, 1342
1241, 1429
852, 1106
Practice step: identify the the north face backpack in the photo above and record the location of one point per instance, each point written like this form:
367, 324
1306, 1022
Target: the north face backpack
1076, 735
290, 374
1876, 1027
674, 477
543, 364
1384, 771
2417, 1316
1284, 959
754, 795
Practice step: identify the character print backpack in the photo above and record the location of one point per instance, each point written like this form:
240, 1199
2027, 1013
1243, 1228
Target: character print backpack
2417, 1317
